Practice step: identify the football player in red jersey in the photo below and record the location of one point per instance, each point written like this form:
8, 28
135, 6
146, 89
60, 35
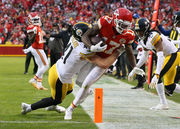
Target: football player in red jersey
36, 40
116, 33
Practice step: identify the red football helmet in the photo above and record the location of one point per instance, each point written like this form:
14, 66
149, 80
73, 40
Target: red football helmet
122, 19
34, 19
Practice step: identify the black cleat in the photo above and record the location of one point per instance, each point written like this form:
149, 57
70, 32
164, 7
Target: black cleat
137, 87
168, 92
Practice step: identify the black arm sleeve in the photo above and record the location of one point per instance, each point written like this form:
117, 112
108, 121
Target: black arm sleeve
56, 35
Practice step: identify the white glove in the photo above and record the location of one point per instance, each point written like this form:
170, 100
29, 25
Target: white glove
135, 70
154, 81
26, 51
99, 47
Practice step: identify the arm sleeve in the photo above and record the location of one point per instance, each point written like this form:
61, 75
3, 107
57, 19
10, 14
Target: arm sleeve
163, 31
56, 35
160, 61
143, 59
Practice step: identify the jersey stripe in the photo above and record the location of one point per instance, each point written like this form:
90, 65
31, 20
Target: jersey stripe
137, 25
155, 39
41, 56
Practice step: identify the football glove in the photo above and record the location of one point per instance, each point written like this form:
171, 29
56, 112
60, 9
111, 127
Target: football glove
26, 51
135, 70
154, 81
99, 47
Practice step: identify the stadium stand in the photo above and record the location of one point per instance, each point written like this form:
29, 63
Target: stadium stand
13, 13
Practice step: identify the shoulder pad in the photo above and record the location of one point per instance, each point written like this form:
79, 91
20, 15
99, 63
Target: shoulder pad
154, 37
104, 21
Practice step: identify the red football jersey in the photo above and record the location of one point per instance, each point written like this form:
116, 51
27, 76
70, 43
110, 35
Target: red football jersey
112, 39
38, 43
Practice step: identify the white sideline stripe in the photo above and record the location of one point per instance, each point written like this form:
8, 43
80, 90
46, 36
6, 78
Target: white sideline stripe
24, 122
124, 108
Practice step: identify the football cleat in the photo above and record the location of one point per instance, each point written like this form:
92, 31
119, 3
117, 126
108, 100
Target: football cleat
25, 108
32, 80
160, 107
168, 92
68, 114
56, 108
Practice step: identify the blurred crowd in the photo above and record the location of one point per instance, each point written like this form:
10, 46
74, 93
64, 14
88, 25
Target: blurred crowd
13, 13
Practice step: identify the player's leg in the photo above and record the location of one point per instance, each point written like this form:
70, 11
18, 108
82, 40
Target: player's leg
168, 72
58, 92
170, 75
92, 77
27, 62
42, 62
163, 105
35, 66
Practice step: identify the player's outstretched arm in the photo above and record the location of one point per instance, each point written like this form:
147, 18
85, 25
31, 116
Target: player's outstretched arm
104, 62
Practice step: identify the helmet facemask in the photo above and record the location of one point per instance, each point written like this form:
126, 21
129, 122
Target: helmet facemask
121, 25
36, 21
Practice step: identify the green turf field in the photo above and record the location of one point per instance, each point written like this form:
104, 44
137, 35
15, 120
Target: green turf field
14, 89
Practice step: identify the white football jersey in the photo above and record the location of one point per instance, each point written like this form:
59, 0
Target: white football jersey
72, 60
168, 46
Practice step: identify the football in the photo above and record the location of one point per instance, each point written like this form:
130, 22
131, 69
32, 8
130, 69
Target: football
96, 39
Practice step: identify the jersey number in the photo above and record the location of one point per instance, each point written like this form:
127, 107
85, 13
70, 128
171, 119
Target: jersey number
114, 44
68, 53
40, 37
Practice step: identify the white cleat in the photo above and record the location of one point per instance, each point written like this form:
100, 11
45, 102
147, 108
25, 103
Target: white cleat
160, 107
68, 115
37, 85
25, 108
32, 80
56, 108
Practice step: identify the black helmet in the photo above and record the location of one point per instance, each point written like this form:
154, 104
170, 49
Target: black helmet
143, 25
79, 29
176, 18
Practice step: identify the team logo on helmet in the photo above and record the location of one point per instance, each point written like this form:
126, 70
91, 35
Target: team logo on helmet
79, 32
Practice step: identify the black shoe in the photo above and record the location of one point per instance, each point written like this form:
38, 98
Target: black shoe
137, 87
123, 77
168, 92
25, 72
118, 77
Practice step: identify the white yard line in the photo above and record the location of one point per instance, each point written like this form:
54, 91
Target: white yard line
40, 122
125, 108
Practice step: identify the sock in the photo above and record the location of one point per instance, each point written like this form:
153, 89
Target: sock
160, 91
42, 103
79, 95
177, 89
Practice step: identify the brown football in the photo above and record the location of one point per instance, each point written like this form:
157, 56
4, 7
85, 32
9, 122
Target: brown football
96, 39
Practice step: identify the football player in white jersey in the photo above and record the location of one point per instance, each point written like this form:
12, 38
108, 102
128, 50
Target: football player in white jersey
168, 58
61, 74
